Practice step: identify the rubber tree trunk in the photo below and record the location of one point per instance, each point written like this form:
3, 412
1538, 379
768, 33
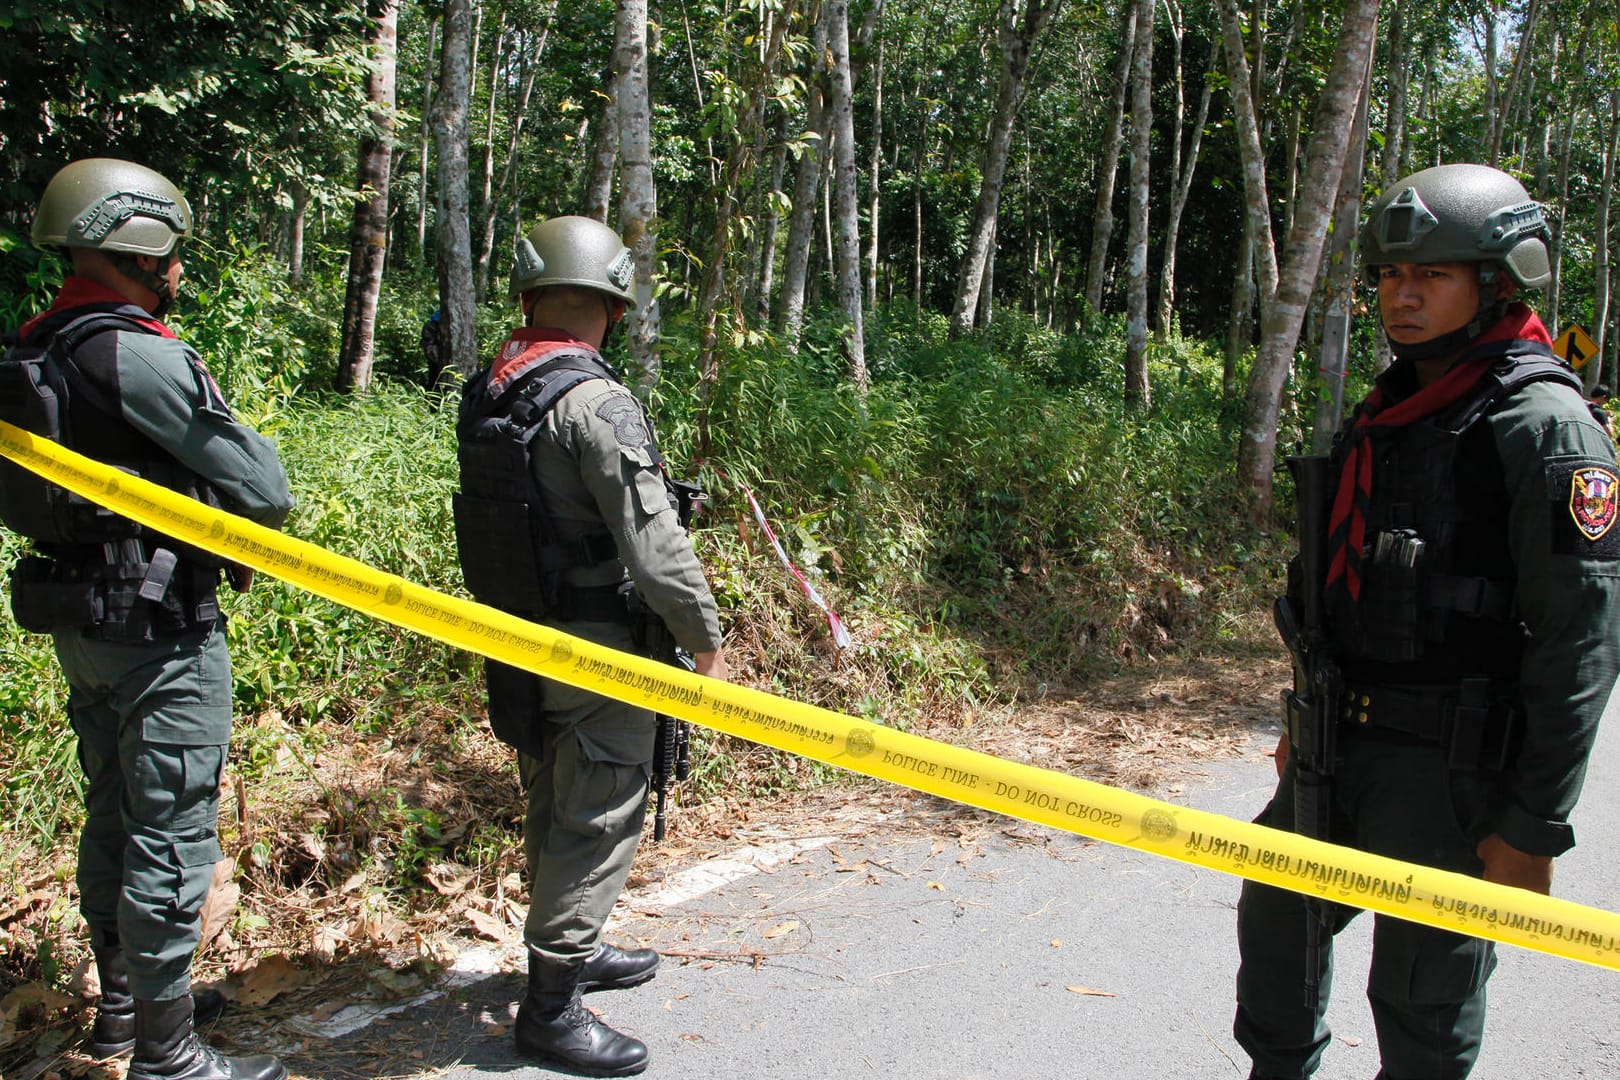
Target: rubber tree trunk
1102, 220
1017, 29
846, 183
368, 235
1138, 394
1340, 287
638, 200
1284, 313
457, 324
806, 186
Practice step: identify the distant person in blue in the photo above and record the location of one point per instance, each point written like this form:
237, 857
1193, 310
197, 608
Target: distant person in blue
1600, 399
433, 351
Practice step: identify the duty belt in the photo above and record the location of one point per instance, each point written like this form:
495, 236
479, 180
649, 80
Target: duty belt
1473, 719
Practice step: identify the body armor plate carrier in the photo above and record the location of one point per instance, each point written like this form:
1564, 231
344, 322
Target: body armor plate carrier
93, 570
511, 554
1411, 593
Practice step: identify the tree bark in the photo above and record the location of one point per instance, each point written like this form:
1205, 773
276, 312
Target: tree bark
1178, 201
806, 183
295, 234
1340, 286
765, 282
1257, 203
604, 155
1555, 291
876, 184
638, 199
1282, 316
503, 190
1102, 220
422, 174
846, 183
486, 204
368, 236
1399, 64
1601, 265
457, 324
1521, 57
1017, 29
1138, 393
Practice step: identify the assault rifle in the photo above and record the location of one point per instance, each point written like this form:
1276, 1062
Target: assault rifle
672, 747
1311, 708
672, 755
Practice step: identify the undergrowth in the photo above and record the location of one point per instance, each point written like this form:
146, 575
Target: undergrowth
989, 520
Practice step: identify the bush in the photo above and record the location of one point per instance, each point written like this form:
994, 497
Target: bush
989, 517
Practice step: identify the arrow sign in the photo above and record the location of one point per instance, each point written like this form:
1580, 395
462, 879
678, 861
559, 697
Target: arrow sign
1575, 346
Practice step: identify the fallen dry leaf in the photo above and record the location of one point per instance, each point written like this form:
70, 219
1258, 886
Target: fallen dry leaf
220, 904
326, 941
24, 997
1088, 991
487, 926
264, 981
781, 928
448, 879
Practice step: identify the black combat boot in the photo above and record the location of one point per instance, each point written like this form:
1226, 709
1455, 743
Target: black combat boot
553, 1024
113, 1033
612, 968
166, 1048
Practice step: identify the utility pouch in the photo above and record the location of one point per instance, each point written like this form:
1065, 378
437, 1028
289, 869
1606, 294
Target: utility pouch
516, 698
42, 605
485, 525
127, 616
1484, 728
1391, 599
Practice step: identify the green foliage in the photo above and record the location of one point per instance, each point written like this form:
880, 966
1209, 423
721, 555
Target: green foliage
373, 477
213, 94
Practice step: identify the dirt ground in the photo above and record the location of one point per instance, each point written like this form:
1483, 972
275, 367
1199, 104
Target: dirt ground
302, 923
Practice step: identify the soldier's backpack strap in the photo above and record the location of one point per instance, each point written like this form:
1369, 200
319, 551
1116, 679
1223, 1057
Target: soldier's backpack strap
1522, 363
512, 556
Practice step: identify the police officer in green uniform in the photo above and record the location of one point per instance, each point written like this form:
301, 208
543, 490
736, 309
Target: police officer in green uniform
134, 614
564, 507
1471, 592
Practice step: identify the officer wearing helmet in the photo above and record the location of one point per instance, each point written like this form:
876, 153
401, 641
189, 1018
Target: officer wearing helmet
1470, 590
134, 614
564, 514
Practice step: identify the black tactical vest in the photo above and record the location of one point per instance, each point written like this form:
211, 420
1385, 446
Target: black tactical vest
1438, 578
94, 570
512, 556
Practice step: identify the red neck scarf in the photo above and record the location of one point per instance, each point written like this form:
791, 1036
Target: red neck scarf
527, 349
79, 292
1347, 525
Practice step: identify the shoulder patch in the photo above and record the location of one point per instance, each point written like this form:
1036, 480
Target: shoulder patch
1591, 500
1585, 509
624, 413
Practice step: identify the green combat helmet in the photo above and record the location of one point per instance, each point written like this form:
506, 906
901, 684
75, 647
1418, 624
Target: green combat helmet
1460, 213
114, 206
574, 251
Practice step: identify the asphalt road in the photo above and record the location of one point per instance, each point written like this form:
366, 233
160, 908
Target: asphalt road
940, 943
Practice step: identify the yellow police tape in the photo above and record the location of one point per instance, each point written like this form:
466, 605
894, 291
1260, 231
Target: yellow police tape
1409, 891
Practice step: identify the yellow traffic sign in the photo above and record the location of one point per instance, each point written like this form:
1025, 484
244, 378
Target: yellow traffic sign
1575, 346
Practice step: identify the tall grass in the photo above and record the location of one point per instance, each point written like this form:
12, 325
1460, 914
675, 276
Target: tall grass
989, 517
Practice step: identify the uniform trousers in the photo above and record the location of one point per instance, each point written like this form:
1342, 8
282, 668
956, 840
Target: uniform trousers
586, 790
153, 722
1399, 798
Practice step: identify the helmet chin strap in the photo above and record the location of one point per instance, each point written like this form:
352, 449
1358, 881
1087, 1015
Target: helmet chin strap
156, 280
